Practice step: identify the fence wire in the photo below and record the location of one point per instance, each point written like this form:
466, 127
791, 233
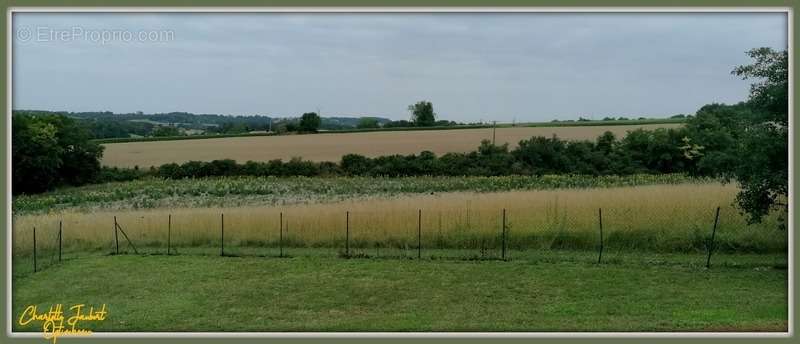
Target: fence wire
462, 231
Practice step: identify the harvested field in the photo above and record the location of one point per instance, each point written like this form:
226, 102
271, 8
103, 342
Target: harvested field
331, 147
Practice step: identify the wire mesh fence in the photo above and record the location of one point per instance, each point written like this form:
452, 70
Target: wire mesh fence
463, 231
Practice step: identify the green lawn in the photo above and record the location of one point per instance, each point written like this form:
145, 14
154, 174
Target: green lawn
556, 291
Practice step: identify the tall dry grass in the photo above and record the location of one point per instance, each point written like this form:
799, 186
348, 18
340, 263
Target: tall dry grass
665, 218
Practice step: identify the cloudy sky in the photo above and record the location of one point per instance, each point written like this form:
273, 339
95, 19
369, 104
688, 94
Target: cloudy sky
504, 67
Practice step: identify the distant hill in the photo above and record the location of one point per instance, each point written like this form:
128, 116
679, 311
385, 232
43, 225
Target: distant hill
106, 124
348, 122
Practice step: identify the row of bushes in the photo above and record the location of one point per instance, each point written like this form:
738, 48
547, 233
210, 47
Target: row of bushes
641, 151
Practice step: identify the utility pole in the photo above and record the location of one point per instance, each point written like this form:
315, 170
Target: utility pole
494, 129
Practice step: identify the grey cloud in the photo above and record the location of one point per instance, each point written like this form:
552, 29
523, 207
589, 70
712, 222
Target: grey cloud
528, 66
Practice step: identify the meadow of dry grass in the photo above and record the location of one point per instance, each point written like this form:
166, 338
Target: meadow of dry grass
331, 147
664, 218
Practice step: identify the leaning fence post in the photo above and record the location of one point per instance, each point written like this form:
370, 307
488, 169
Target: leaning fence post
169, 234
222, 235
130, 243
419, 234
504, 234
347, 234
600, 217
711, 244
116, 236
59, 241
34, 249
467, 213
280, 237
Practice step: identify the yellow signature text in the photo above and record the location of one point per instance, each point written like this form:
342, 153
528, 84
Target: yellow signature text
56, 324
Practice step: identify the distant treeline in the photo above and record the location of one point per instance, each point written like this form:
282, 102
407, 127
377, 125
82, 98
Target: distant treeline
108, 125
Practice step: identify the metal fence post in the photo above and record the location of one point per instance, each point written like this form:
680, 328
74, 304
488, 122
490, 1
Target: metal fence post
419, 234
504, 234
347, 234
34, 249
116, 236
468, 214
280, 237
600, 217
222, 235
439, 243
169, 234
711, 244
59, 241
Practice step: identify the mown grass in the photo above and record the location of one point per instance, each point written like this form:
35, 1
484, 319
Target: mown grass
321, 293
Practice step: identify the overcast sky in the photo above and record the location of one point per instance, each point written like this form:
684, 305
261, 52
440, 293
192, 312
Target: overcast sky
521, 66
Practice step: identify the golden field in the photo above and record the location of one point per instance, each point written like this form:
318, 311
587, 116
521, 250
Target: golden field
656, 217
331, 147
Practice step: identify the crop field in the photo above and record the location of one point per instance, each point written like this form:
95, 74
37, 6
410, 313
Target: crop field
331, 147
660, 218
272, 191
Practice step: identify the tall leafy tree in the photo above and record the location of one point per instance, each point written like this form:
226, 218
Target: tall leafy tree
310, 122
50, 150
36, 155
422, 114
763, 165
748, 142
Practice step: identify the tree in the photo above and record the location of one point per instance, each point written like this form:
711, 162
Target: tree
493, 160
542, 155
162, 131
763, 164
748, 142
36, 156
51, 150
80, 156
310, 122
422, 114
656, 150
367, 123
770, 95
398, 124
717, 128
